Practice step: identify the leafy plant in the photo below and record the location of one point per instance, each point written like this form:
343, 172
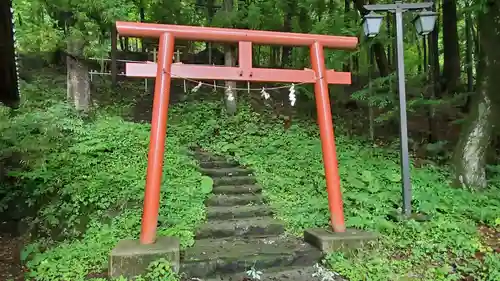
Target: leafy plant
85, 179
254, 274
161, 270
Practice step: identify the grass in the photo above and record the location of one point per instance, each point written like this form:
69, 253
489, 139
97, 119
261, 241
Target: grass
86, 178
288, 164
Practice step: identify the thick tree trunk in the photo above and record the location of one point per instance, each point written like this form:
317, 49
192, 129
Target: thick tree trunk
451, 68
287, 27
9, 94
470, 153
78, 82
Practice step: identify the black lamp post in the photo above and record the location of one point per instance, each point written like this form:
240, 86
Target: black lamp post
424, 23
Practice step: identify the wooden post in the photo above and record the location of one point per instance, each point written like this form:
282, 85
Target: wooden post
114, 49
178, 55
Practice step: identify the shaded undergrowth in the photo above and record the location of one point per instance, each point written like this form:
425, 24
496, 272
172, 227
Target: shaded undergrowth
85, 177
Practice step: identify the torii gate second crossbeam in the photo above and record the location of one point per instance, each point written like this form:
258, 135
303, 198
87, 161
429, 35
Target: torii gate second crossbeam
165, 70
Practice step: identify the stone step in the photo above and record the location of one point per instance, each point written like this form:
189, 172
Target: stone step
234, 200
237, 189
223, 172
197, 152
218, 164
205, 156
256, 227
289, 273
235, 212
238, 180
212, 257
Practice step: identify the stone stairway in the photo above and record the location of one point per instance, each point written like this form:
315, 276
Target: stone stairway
241, 233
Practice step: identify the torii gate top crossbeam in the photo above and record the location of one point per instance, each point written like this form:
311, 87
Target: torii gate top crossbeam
245, 71
198, 33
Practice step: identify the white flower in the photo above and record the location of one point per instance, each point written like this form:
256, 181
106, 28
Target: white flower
324, 274
230, 97
195, 89
265, 94
229, 93
292, 96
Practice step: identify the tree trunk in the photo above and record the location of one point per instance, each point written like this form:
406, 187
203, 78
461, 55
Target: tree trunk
371, 116
122, 43
477, 48
475, 141
469, 61
420, 53
287, 27
425, 62
434, 75
451, 68
347, 8
378, 48
9, 94
230, 91
78, 82
469, 58
210, 15
390, 48
142, 16
381, 59
434, 57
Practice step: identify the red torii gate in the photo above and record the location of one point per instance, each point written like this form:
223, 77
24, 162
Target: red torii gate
164, 70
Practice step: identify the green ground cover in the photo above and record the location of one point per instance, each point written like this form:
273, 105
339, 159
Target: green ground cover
288, 164
85, 175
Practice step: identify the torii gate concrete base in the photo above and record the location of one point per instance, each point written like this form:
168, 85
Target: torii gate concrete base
328, 241
130, 258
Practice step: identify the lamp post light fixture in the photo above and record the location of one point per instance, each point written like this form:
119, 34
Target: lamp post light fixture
371, 24
424, 23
